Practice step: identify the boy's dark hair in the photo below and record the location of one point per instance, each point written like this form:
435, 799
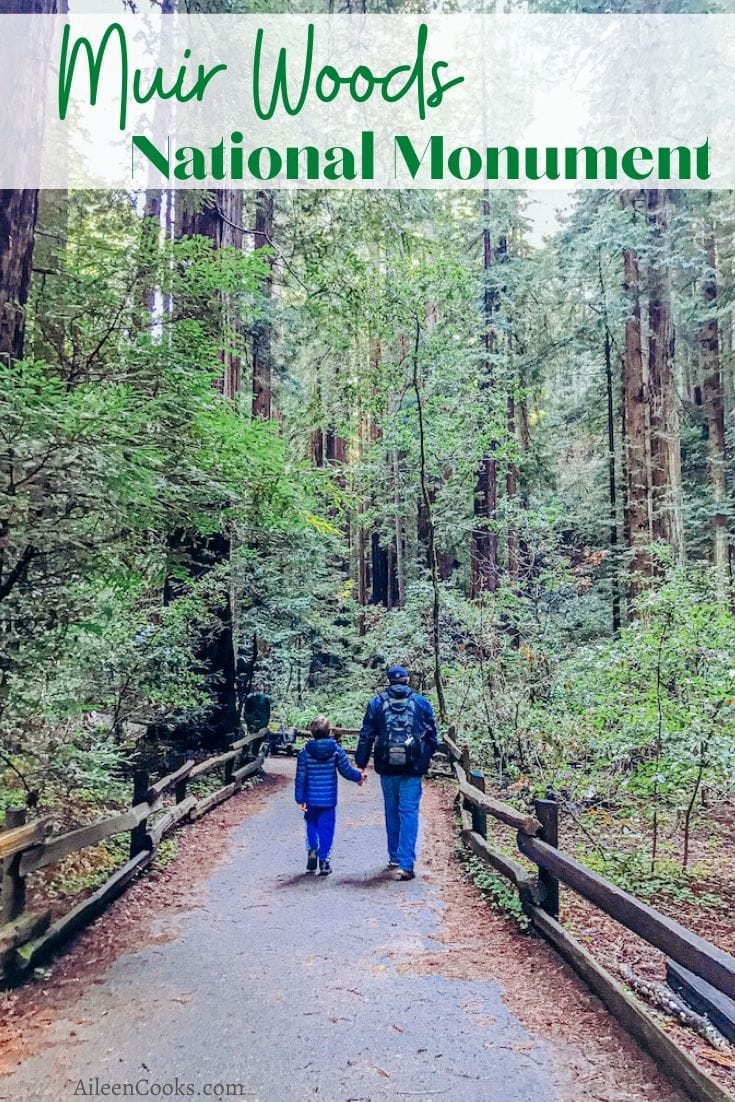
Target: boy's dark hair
320, 727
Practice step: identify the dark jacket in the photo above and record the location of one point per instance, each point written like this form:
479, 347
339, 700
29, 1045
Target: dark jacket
374, 723
316, 772
257, 712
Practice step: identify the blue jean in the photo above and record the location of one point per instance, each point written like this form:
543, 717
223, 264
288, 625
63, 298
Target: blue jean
320, 822
402, 796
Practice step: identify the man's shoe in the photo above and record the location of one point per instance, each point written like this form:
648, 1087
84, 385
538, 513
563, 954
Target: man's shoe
324, 868
405, 874
311, 861
391, 866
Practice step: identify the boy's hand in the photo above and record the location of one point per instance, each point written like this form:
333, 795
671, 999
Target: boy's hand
303, 807
364, 776
361, 781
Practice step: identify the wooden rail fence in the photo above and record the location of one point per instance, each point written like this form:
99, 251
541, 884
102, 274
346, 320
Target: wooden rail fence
537, 839
27, 940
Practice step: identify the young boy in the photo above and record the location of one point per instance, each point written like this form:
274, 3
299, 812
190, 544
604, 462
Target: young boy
316, 791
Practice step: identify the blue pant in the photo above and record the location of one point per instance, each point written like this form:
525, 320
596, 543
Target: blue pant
320, 823
402, 796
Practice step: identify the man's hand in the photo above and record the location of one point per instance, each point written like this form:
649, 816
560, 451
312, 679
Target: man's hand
364, 776
303, 807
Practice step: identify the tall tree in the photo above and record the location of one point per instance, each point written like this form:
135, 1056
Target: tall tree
666, 490
637, 520
262, 365
220, 220
18, 215
612, 476
484, 541
714, 406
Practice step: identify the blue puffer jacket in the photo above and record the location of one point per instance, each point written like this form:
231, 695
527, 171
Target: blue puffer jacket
374, 724
316, 772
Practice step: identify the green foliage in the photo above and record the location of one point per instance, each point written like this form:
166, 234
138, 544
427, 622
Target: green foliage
165, 853
632, 871
88, 869
501, 895
646, 719
117, 446
650, 702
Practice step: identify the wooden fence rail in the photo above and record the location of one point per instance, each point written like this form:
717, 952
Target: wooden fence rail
26, 940
537, 840
696, 954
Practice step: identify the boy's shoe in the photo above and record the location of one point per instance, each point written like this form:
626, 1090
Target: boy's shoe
391, 866
324, 868
311, 861
404, 874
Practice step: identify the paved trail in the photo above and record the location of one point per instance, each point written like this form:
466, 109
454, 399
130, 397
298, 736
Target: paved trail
300, 988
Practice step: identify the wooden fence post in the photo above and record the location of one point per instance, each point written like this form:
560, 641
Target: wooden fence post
479, 817
547, 813
180, 788
141, 784
13, 884
465, 759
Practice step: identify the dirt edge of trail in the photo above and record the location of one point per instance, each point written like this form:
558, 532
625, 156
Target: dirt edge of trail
127, 925
592, 1057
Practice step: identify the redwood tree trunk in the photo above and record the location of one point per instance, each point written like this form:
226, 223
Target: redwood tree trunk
18, 214
714, 409
382, 573
612, 477
637, 520
484, 540
511, 489
262, 355
398, 503
666, 512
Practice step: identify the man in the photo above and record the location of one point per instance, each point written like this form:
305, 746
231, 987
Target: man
399, 730
257, 713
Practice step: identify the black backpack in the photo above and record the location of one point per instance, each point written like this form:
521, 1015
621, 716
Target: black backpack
397, 745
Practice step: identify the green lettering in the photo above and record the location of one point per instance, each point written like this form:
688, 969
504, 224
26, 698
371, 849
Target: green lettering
454, 162
412, 160
157, 159
628, 165
280, 80
274, 162
192, 164
94, 62
343, 164
512, 163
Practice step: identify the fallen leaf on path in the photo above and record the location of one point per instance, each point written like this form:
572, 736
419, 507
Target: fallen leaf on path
724, 1059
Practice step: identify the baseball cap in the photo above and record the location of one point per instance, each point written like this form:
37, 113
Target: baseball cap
397, 673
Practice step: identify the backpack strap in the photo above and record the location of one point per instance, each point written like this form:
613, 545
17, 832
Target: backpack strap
385, 695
